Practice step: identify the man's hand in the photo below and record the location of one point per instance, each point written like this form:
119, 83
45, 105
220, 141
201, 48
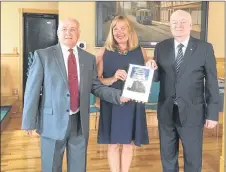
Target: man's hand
124, 99
28, 132
210, 124
152, 64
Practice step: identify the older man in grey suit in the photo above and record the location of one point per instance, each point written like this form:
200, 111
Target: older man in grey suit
189, 94
67, 75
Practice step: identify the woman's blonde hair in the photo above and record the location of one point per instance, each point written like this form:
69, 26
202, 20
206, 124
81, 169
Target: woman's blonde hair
111, 44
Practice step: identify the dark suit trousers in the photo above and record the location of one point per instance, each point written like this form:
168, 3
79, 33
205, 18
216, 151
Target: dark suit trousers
76, 145
191, 138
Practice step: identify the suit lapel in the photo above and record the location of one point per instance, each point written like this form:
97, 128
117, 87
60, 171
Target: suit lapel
171, 52
60, 62
81, 66
187, 56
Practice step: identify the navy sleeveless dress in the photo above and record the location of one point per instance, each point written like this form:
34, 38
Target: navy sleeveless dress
122, 124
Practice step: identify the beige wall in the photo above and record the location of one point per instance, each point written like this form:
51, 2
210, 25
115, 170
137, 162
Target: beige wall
11, 57
216, 28
87, 19
84, 12
11, 66
10, 21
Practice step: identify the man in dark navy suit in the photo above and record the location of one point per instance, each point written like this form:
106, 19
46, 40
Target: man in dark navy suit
189, 94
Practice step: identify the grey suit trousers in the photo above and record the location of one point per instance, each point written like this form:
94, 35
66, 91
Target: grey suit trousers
52, 151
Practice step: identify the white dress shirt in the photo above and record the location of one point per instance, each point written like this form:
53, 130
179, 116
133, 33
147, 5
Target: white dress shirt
65, 55
176, 43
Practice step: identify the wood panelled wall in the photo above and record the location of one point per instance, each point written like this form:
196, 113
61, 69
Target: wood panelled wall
11, 76
220, 67
222, 158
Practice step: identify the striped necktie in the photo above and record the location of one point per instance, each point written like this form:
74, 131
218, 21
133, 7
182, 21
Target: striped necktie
179, 58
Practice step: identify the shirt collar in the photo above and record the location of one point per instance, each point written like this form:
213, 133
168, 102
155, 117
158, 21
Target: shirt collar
185, 42
65, 49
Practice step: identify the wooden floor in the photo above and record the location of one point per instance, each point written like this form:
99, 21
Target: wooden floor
20, 153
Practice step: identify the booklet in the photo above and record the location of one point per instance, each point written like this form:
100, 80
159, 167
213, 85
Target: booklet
138, 83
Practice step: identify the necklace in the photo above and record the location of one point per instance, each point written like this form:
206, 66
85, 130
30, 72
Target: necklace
124, 52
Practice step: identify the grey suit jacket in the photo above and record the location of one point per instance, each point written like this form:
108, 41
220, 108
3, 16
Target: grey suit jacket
196, 88
50, 114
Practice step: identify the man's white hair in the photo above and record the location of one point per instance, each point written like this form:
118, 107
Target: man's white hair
68, 19
181, 13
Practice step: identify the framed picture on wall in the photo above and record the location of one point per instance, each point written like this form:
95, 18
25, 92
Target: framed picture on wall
150, 19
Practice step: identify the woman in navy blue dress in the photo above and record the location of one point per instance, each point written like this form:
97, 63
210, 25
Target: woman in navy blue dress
126, 124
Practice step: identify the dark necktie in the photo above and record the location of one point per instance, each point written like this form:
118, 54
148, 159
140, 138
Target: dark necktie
73, 81
179, 58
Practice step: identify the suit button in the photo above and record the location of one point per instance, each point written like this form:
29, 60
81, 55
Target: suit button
173, 97
67, 110
68, 95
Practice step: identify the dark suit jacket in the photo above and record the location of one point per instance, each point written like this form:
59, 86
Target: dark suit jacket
196, 88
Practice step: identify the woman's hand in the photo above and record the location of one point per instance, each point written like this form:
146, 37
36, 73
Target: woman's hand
120, 75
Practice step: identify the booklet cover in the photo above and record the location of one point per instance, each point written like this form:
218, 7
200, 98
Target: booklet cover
138, 83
